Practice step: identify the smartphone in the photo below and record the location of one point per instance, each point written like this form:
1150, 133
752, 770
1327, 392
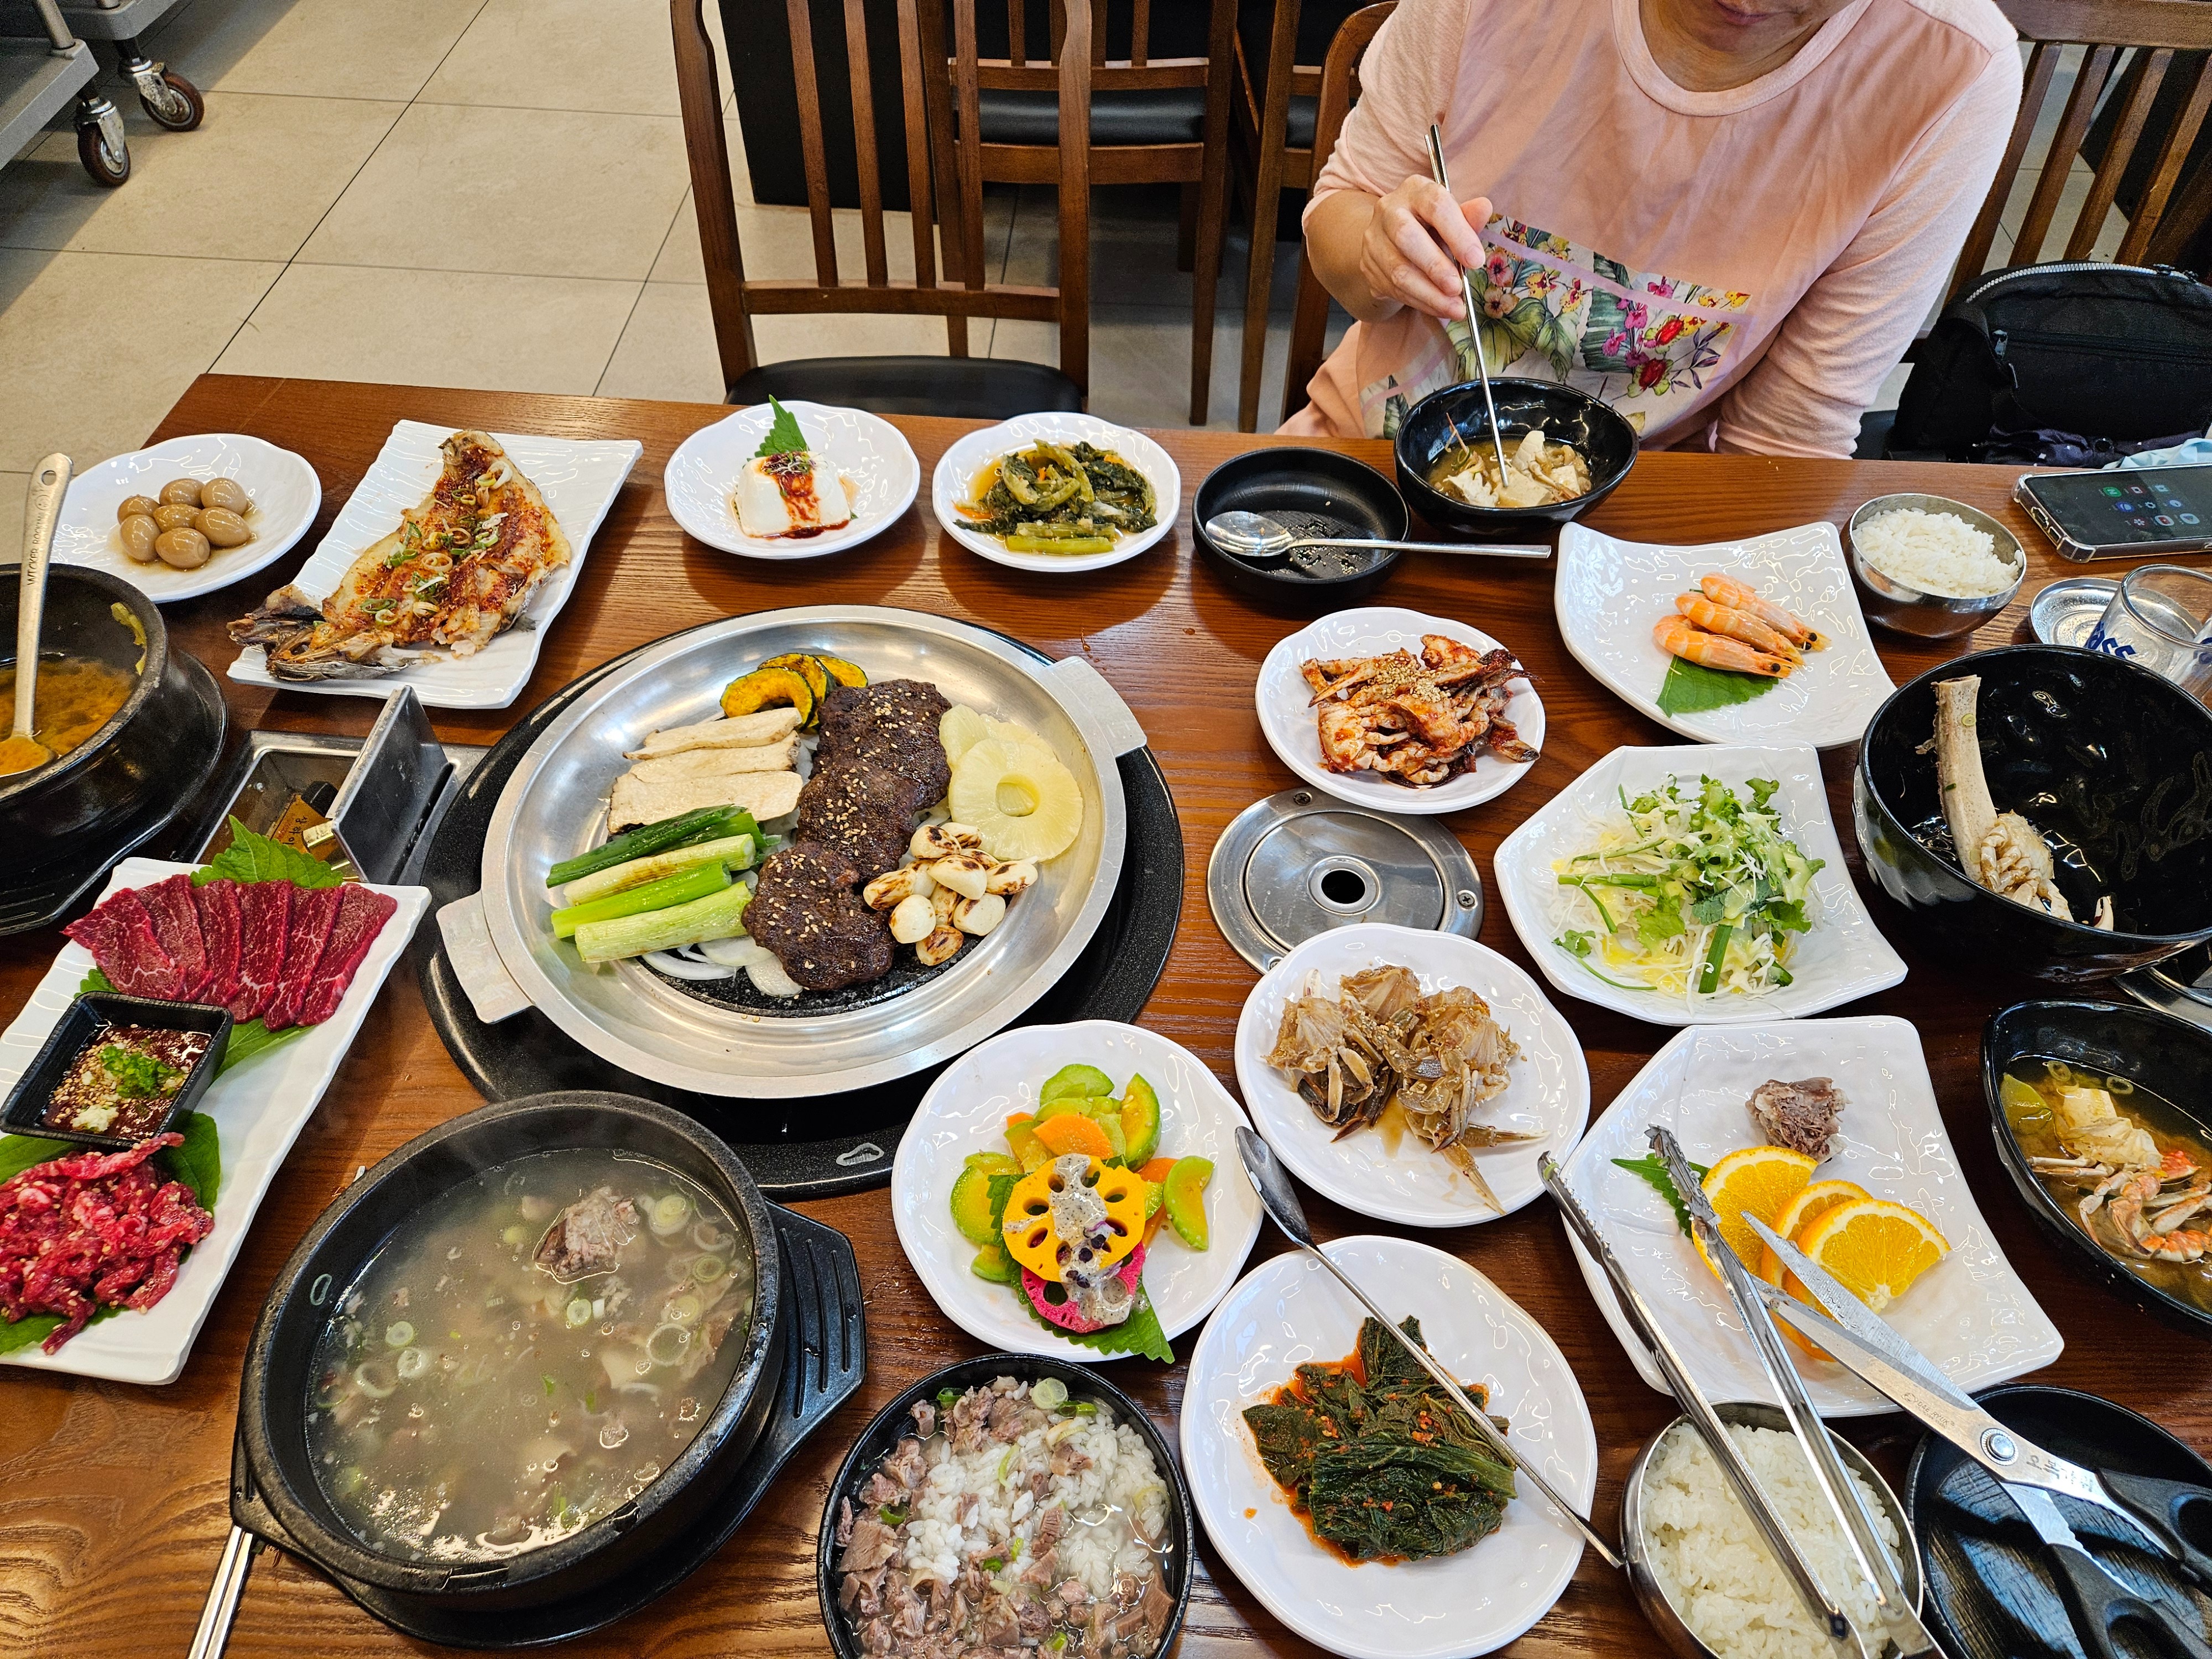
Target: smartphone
2105, 515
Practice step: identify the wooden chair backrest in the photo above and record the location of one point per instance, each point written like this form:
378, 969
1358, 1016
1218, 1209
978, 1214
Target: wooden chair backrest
942, 193
2154, 30
1340, 91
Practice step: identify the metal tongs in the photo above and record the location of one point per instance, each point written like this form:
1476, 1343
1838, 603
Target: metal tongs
1699, 1410
1858, 1338
1869, 1554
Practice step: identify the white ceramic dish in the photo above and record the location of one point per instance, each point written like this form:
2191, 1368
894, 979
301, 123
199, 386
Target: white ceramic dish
1970, 1313
1288, 1312
1288, 718
287, 495
1610, 595
1549, 1094
873, 455
258, 1108
1842, 958
966, 1111
957, 467
580, 480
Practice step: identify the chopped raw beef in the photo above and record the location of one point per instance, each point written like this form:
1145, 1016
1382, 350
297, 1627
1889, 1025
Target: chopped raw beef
219, 931
264, 913
177, 925
313, 910
1801, 1116
361, 915
120, 936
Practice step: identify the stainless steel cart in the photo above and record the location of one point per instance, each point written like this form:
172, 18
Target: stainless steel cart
169, 99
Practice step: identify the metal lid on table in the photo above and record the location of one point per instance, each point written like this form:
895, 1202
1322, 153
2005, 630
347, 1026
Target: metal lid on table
1300, 863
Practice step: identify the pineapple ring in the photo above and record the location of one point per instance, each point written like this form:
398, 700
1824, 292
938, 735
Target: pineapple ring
959, 729
1033, 1240
1026, 804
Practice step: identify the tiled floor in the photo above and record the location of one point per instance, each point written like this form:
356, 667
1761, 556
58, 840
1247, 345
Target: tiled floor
486, 193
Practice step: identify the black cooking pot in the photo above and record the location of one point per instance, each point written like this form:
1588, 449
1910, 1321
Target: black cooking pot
58, 809
274, 1491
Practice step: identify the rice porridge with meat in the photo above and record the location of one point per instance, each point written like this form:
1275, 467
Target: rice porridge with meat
1012, 1518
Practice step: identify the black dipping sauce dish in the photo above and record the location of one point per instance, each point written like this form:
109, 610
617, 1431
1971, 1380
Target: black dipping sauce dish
1457, 417
1310, 492
84, 1025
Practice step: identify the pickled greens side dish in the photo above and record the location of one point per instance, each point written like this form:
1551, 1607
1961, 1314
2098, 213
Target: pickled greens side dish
1691, 893
1049, 499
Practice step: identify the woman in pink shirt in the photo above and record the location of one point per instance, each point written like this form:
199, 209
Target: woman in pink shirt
1728, 218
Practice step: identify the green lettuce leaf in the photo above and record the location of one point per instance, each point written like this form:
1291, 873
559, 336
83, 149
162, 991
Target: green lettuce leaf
783, 434
1692, 687
250, 858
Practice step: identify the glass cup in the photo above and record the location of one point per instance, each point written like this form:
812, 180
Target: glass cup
2161, 617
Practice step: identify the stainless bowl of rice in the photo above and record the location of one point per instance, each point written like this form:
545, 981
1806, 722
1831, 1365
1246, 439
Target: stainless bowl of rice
1702, 1572
1931, 567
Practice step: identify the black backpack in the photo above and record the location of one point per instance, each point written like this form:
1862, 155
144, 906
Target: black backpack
2109, 359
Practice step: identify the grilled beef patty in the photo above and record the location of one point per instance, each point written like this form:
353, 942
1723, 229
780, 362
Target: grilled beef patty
806, 911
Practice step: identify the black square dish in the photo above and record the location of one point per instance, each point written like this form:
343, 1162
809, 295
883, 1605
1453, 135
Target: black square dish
82, 1026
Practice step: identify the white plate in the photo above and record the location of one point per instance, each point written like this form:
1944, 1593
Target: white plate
1610, 595
873, 454
287, 495
1287, 715
258, 1108
1841, 957
966, 1111
1289, 1311
580, 480
1970, 1314
957, 467
1549, 1093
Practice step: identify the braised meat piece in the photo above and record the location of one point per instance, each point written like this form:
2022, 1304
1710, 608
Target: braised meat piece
807, 910
1801, 1116
587, 1237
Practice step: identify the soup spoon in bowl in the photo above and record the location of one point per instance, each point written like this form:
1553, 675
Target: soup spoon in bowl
1256, 536
21, 751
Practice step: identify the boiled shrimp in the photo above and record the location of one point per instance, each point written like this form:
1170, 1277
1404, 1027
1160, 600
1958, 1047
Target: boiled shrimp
1736, 624
1677, 637
1725, 590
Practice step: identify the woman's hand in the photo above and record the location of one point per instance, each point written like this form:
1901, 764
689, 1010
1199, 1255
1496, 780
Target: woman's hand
1377, 257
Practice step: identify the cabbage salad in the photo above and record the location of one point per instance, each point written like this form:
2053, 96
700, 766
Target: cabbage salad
1692, 894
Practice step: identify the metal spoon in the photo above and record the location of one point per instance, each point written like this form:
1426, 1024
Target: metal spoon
42, 511
1256, 536
1437, 170
1281, 1202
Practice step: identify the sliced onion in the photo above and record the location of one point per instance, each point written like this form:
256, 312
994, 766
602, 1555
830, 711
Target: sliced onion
676, 967
770, 981
738, 951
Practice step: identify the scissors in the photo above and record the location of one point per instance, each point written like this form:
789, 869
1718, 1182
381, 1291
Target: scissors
2150, 1510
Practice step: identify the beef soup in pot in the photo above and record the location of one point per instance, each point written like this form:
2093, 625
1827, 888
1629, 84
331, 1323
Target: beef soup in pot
525, 1353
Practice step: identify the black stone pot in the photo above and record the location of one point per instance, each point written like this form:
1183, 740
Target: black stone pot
58, 810
274, 1491
1457, 414
2107, 754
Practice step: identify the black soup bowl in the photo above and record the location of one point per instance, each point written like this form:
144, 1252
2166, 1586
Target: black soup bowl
2098, 753
2167, 1057
1456, 417
274, 1491
896, 1421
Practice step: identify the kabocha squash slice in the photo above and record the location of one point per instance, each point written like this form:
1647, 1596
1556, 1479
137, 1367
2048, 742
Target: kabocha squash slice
809, 669
750, 693
1033, 1240
845, 673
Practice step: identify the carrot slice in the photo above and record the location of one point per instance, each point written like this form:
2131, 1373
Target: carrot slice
1072, 1132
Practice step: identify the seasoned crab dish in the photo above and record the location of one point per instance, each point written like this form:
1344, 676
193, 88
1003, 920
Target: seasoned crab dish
1417, 720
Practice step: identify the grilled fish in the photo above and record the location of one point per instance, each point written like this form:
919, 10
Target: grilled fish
456, 573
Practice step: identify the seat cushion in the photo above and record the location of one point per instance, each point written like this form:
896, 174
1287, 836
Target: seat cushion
1167, 115
972, 388
1303, 115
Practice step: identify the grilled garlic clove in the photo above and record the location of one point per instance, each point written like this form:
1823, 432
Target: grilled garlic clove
938, 840
979, 916
942, 899
914, 919
964, 874
894, 887
1010, 878
942, 945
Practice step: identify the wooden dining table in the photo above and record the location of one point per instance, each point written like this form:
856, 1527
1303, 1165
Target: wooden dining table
114, 1499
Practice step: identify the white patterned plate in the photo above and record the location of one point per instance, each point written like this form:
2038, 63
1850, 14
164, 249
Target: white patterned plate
286, 496
579, 479
957, 467
1288, 717
1841, 957
873, 455
1610, 595
258, 1109
966, 1111
1288, 1311
1970, 1314
1548, 1094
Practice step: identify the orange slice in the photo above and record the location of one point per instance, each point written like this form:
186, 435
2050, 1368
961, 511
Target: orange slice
1800, 1212
1875, 1248
1753, 1181
1072, 1132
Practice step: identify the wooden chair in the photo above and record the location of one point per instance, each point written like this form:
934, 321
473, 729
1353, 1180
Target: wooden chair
940, 195
1154, 120
2164, 217
1339, 90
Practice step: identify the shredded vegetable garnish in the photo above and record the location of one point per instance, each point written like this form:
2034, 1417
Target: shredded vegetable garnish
1694, 894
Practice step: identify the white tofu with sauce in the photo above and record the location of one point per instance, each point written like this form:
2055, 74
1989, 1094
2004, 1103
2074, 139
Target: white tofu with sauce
799, 493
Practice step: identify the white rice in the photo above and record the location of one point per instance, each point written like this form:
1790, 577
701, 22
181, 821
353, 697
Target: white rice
1120, 1486
1712, 1562
1938, 553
